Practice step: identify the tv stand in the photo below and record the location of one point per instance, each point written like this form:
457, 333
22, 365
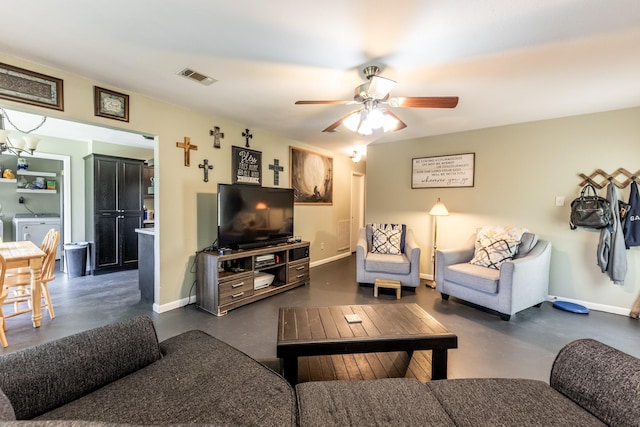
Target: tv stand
225, 282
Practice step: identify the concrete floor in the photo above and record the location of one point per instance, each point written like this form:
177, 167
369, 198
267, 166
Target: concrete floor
524, 347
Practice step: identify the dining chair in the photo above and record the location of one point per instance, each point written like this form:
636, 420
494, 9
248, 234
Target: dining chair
18, 281
3, 295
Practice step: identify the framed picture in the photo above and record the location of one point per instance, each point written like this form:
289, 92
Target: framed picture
110, 104
246, 166
311, 177
29, 87
455, 170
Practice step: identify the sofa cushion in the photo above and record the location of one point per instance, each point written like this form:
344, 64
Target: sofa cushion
199, 379
41, 378
6, 410
393, 264
507, 402
382, 402
603, 380
473, 276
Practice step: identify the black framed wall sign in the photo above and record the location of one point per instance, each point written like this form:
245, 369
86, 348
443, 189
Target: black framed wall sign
455, 170
246, 166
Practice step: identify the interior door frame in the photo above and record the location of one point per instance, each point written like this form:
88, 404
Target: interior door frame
66, 191
357, 207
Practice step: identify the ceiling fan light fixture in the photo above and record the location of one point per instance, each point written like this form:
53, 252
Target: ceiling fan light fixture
353, 121
389, 122
367, 121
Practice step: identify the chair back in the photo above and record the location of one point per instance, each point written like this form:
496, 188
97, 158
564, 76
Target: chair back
49, 247
3, 296
3, 270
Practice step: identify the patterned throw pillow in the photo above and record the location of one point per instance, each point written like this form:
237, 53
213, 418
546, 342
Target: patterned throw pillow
386, 239
494, 252
495, 245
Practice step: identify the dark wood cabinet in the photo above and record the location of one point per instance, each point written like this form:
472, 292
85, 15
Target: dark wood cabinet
114, 197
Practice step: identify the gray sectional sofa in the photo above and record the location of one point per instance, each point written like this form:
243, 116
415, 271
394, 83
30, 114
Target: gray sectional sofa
120, 374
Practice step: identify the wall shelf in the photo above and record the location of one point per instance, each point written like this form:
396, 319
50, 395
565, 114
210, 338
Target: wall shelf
31, 190
8, 181
34, 173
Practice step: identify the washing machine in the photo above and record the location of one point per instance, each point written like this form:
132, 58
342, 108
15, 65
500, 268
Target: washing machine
34, 227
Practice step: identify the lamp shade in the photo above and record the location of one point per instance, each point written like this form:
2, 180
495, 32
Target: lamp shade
31, 142
3, 135
439, 209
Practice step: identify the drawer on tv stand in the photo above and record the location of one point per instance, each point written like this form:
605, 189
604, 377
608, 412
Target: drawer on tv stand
241, 286
298, 271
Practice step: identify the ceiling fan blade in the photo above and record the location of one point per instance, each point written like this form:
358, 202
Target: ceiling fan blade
400, 125
379, 87
424, 102
333, 126
325, 102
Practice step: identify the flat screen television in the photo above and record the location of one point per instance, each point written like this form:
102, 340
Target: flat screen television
251, 216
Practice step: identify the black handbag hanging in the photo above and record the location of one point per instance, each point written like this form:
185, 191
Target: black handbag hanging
590, 210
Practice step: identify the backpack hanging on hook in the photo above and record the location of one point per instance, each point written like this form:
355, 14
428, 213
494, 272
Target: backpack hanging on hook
590, 210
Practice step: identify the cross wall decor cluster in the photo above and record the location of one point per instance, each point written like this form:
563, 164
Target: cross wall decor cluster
187, 146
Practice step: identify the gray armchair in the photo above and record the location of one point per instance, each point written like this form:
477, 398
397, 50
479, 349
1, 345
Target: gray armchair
404, 267
519, 283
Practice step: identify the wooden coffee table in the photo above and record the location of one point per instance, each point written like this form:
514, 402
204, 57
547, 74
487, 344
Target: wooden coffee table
314, 331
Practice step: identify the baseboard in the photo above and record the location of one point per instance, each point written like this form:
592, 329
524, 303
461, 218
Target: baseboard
328, 260
173, 304
592, 305
551, 298
426, 276
185, 301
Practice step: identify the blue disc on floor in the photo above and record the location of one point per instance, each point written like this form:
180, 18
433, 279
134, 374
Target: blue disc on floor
571, 307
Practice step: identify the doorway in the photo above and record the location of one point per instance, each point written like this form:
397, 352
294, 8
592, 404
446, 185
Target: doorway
357, 207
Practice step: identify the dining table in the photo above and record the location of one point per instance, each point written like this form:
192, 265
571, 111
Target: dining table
27, 254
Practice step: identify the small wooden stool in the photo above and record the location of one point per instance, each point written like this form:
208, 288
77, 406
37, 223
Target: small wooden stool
389, 284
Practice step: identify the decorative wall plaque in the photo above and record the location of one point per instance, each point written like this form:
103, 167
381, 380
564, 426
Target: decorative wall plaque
456, 170
246, 166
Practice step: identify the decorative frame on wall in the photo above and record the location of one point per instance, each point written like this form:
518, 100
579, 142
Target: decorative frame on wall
311, 177
29, 87
455, 170
246, 166
110, 104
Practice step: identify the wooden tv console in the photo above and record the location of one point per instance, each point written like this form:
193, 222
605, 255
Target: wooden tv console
225, 282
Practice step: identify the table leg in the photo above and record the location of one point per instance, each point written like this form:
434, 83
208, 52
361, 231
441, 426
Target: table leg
290, 369
36, 291
439, 364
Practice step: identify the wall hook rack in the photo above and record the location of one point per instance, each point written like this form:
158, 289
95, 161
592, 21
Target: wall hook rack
591, 179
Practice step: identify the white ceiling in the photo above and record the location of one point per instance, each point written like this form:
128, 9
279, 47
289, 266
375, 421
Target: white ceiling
509, 61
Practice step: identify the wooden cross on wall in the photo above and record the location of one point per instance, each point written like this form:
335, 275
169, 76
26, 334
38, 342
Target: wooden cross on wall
276, 168
187, 146
207, 167
217, 135
247, 136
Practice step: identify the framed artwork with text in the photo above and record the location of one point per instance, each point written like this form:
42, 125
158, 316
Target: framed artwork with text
454, 170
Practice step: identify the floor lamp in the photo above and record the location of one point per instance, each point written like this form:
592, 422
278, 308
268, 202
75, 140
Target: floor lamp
439, 209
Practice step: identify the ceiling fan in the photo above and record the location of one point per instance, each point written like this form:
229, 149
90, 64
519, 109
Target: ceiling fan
373, 95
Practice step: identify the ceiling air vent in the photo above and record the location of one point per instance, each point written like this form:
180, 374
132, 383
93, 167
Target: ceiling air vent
195, 76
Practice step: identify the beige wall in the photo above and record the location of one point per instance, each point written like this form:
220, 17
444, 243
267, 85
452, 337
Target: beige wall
178, 186
520, 169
